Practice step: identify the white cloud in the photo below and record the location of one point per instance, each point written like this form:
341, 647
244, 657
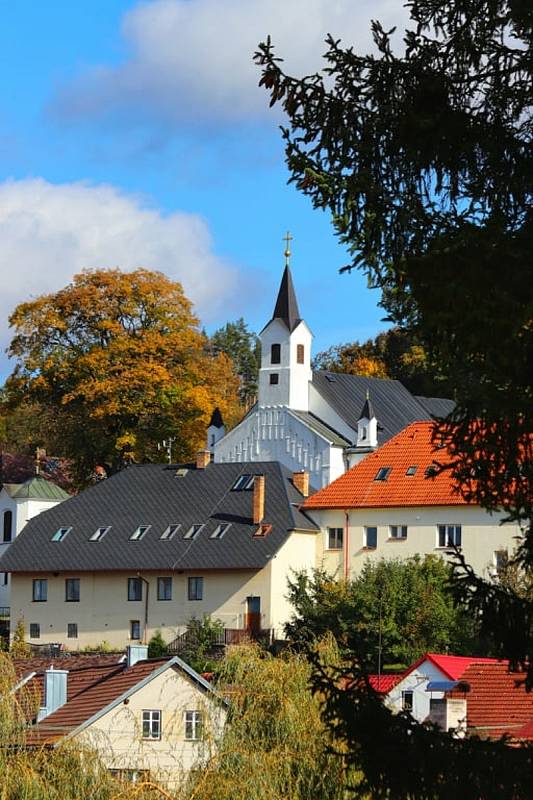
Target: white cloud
191, 60
50, 232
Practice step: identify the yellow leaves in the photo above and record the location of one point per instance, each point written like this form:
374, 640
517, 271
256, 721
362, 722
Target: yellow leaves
364, 365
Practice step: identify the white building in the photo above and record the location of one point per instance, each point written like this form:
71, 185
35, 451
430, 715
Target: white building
19, 502
321, 422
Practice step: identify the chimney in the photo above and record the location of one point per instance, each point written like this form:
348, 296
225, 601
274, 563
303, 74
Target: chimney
258, 509
203, 459
136, 652
55, 691
301, 482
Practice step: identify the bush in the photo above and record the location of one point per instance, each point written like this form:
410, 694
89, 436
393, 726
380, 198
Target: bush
157, 646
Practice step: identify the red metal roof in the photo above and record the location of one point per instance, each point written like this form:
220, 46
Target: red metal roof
412, 447
451, 666
497, 702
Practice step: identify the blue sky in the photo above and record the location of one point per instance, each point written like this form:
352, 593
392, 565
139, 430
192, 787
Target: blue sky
134, 134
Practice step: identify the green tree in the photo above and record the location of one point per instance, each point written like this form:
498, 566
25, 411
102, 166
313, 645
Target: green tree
392, 613
201, 646
119, 362
157, 646
243, 347
20, 648
423, 158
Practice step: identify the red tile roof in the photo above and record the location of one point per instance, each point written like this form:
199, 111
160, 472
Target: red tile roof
412, 447
451, 666
87, 703
497, 702
24, 666
384, 683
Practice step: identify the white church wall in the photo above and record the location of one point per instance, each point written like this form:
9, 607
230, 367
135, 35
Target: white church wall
321, 409
292, 388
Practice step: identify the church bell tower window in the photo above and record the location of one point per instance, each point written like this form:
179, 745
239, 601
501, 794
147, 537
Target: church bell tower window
275, 354
274, 378
300, 354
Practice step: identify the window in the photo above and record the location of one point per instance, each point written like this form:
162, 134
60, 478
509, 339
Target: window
431, 471
40, 590
193, 531
35, 630
275, 354
501, 559
371, 538
99, 533
164, 588
449, 536
72, 590
196, 589
220, 530
194, 725
151, 724
8, 526
60, 534
135, 589
383, 473
243, 483
363, 432
138, 534
274, 378
169, 532
5, 578
398, 531
411, 470
407, 701
135, 629
300, 351
130, 775
72, 630
335, 538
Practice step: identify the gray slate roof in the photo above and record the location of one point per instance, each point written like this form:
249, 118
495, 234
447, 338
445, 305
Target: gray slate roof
316, 424
286, 308
152, 494
36, 488
394, 405
437, 406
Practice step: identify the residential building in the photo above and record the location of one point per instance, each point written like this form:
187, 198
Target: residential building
319, 421
396, 503
147, 718
20, 502
155, 545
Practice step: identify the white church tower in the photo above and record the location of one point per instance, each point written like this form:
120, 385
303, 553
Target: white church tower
285, 371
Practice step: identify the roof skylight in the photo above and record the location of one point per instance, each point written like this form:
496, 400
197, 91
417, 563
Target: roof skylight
169, 532
99, 533
411, 470
138, 534
243, 483
193, 531
60, 534
383, 473
220, 530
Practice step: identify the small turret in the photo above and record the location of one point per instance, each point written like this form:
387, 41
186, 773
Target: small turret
367, 425
215, 430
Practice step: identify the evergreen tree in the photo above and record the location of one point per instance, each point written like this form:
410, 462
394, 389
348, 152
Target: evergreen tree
243, 347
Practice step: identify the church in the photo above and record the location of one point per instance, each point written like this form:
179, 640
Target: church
319, 422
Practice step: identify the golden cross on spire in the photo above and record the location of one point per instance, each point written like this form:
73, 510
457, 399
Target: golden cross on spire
287, 239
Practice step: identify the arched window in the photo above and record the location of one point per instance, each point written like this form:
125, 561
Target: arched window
300, 351
275, 354
8, 525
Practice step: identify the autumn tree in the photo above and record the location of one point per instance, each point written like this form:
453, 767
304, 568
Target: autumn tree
243, 347
117, 359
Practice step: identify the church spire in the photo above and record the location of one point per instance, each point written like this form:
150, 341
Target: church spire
286, 308
367, 411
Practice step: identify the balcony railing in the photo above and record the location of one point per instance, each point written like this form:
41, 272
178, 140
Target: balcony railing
222, 638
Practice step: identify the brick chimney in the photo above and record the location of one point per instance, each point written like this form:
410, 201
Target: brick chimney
301, 482
203, 459
258, 508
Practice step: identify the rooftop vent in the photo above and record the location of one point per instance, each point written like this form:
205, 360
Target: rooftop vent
181, 472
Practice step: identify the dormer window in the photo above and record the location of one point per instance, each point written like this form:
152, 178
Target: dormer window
169, 532
60, 534
193, 531
220, 530
138, 534
99, 533
243, 483
275, 354
383, 473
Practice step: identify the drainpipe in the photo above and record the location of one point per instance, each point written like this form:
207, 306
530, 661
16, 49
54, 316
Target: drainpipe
147, 584
346, 543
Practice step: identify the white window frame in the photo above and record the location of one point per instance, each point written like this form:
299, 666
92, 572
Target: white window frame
194, 725
220, 530
394, 529
333, 536
61, 533
139, 533
447, 529
194, 530
169, 531
99, 533
151, 723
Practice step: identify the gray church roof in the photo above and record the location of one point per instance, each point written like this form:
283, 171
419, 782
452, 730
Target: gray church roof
286, 308
158, 495
437, 406
393, 405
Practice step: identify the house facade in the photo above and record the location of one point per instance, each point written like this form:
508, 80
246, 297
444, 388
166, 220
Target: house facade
152, 719
397, 504
156, 545
319, 421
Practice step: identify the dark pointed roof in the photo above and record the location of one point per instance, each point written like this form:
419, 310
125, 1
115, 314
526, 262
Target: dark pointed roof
286, 308
367, 412
216, 419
